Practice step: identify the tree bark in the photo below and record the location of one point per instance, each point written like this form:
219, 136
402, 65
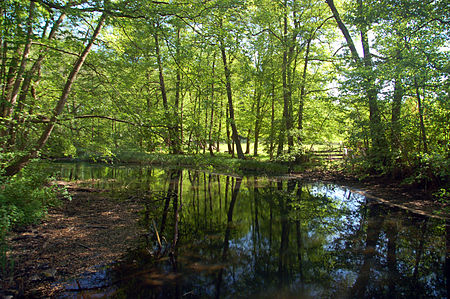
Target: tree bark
396, 127
257, 122
23, 62
27, 82
422, 124
234, 130
162, 86
17, 165
177, 142
302, 93
272, 122
344, 30
211, 118
289, 47
376, 130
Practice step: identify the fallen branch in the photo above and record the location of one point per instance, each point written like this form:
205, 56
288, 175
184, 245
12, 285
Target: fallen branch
157, 235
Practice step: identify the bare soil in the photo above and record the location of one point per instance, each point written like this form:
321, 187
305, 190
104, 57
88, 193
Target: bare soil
387, 191
89, 230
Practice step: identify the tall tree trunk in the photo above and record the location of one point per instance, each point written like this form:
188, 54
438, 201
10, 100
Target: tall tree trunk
258, 121
27, 82
177, 142
219, 130
17, 165
9, 80
272, 122
247, 144
422, 124
289, 47
344, 30
230, 147
379, 144
235, 134
396, 127
162, 86
23, 63
302, 93
303, 82
211, 118
376, 131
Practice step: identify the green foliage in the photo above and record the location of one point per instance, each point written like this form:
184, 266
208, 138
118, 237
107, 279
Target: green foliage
278, 56
430, 170
24, 199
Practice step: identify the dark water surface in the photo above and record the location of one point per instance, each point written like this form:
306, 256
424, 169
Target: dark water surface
259, 237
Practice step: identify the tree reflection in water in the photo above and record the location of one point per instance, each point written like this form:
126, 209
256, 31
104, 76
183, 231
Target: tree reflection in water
225, 236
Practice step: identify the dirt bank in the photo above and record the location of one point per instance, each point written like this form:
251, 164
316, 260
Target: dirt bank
385, 190
89, 230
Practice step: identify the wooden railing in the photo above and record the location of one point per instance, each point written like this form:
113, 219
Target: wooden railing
332, 152
335, 154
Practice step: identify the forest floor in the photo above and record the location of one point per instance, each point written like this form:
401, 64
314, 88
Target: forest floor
92, 230
87, 231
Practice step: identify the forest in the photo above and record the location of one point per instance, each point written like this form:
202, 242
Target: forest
247, 84
101, 78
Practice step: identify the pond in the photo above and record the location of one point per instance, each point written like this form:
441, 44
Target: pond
213, 235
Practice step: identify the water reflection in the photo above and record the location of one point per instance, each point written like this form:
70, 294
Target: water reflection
221, 236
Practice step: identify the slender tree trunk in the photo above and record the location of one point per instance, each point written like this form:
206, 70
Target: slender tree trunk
272, 122
396, 127
8, 85
177, 142
219, 130
205, 135
23, 63
247, 144
230, 147
289, 47
234, 130
285, 123
235, 134
211, 118
27, 82
422, 124
302, 93
376, 131
257, 123
17, 165
344, 30
171, 139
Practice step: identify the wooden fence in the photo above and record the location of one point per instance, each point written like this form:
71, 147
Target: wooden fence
332, 152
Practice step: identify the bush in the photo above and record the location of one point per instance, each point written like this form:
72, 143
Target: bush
24, 200
430, 170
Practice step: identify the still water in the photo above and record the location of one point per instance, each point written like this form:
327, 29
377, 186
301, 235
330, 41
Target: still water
212, 235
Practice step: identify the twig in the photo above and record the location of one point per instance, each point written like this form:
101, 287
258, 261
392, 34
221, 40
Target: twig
157, 234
